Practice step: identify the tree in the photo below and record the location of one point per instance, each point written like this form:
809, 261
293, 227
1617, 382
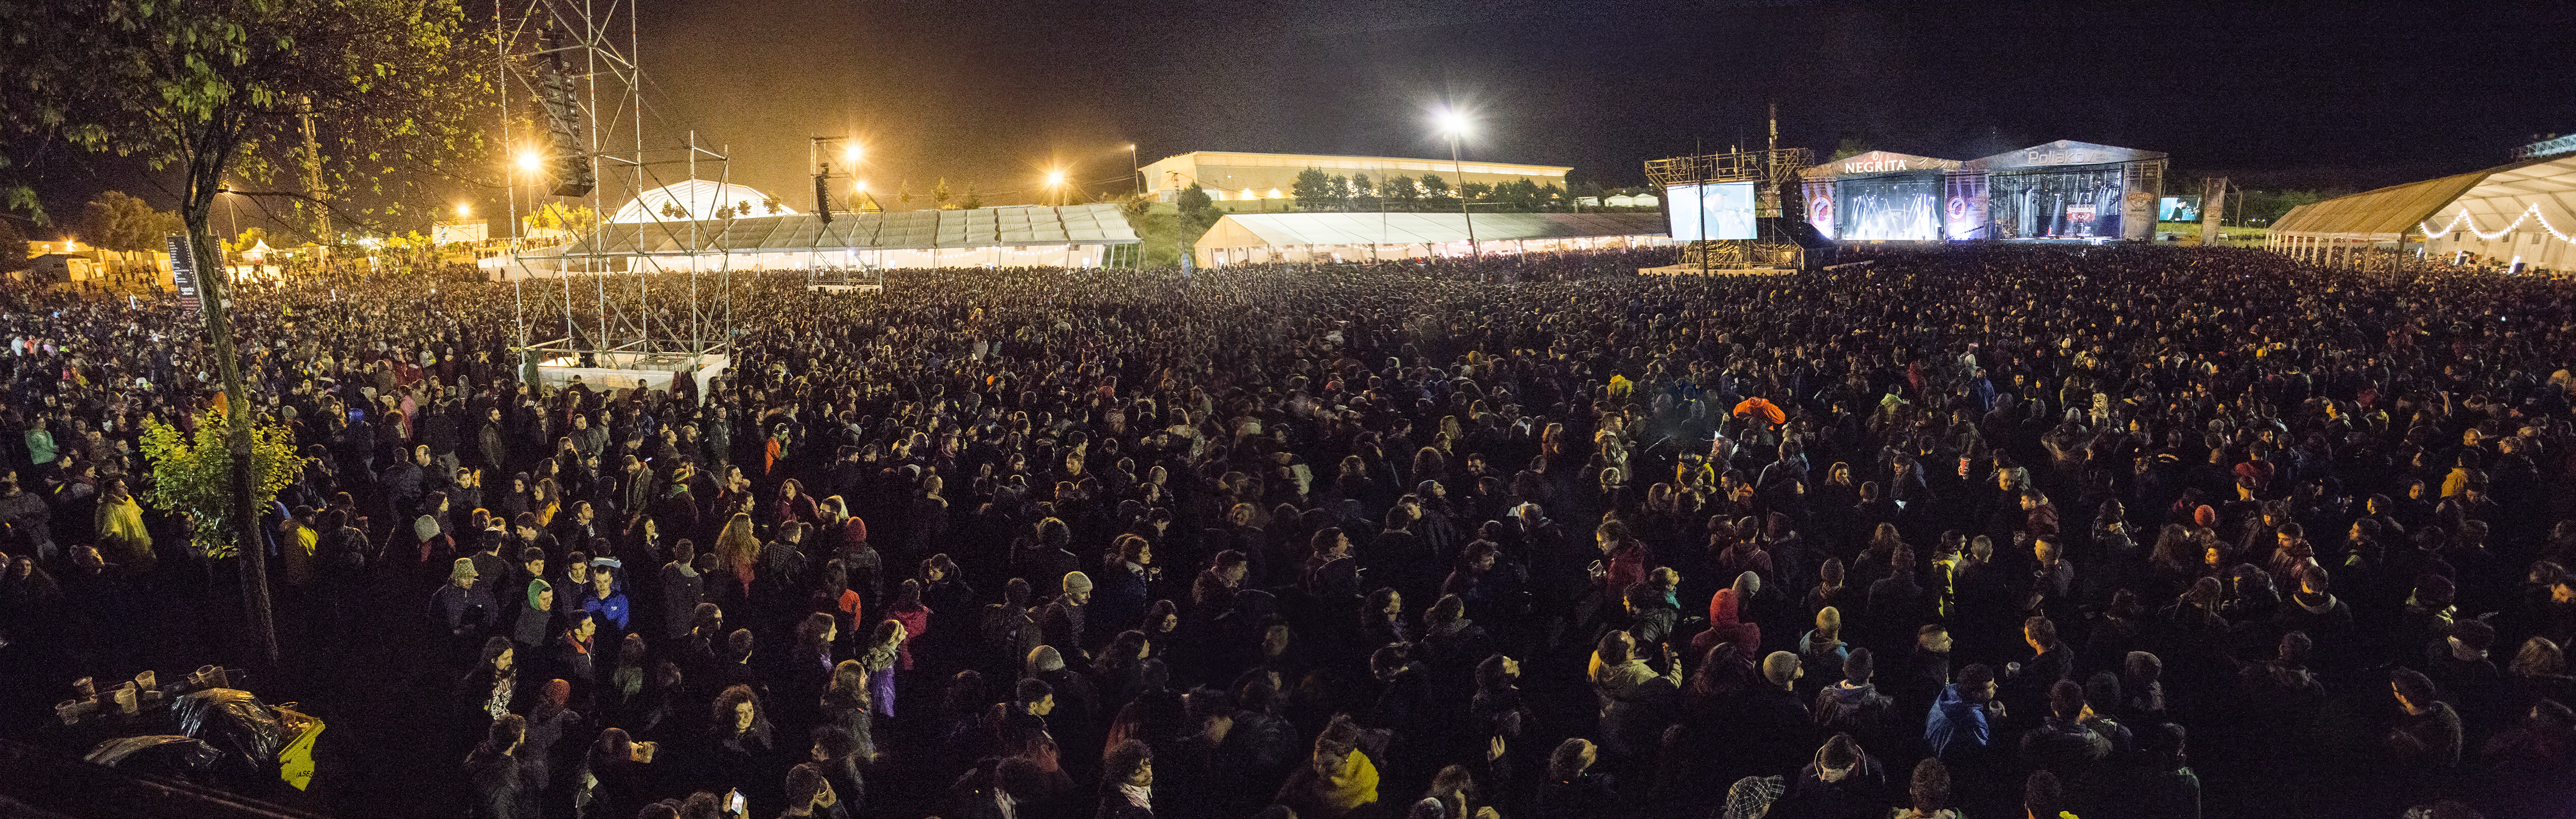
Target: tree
1850, 146
1312, 189
118, 221
1550, 196
1435, 187
1475, 191
211, 90
1403, 191
973, 200
249, 238
193, 477
772, 205
939, 194
571, 219
13, 249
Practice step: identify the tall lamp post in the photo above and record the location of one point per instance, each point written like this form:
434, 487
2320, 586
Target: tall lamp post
1139, 166
1454, 124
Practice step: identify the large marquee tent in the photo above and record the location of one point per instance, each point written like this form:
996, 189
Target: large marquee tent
1352, 237
1068, 236
2511, 215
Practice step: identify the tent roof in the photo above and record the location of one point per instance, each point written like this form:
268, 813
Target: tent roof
1878, 162
1277, 229
907, 230
695, 196
2061, 152
2537, 194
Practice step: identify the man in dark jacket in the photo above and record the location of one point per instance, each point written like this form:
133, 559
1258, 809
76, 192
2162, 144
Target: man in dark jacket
1120, 595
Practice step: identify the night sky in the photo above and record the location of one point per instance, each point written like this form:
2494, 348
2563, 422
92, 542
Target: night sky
994, 93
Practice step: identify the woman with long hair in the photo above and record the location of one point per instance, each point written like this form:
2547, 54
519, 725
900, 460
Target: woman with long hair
794, 506
878, 658
738, 553
490, 689
845, 705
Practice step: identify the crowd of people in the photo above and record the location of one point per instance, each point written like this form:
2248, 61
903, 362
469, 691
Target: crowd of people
1987, 532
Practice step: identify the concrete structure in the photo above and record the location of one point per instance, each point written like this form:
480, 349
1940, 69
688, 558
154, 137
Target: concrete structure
1359, 237
1242, 177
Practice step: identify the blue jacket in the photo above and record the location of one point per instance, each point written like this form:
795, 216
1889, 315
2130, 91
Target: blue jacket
1954, 721
612, 607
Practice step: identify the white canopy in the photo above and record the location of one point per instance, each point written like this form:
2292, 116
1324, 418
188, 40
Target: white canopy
696, 199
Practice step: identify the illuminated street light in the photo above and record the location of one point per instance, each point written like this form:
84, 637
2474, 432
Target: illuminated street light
530, 161
1454, 124
1055, 179
464, 210
851, 154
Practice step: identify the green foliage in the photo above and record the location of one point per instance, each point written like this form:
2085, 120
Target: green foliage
213, 89
1405, 193
194, 478
939, 194
13, 249
1475, 191
1312, 189
248, 239
117, 221
973, 200
1849, 147
1434, 186
573, 219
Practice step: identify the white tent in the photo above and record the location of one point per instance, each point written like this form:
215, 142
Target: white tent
2523, 213
695, 199
1352, 237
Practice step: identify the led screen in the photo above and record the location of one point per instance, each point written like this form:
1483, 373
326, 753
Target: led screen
1701, 212
2065, 204
1891, 208
1820, 208
2178, 209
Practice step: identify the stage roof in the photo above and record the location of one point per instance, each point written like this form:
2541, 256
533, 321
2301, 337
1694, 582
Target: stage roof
906, 230
695, 197
2061, 152
1293, 229
1878, 162
2488, 201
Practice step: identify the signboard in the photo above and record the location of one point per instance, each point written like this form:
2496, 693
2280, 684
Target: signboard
1878, 162
2062, 152
183, 271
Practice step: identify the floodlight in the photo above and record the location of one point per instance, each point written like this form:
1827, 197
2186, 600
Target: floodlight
530, 161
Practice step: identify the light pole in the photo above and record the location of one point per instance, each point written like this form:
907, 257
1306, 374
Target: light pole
1455, 125
1139, 166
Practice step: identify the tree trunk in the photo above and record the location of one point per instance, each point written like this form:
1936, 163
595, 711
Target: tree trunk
212, 287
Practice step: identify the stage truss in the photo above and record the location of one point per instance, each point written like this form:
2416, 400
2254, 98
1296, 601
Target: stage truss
587, 47
1775, 174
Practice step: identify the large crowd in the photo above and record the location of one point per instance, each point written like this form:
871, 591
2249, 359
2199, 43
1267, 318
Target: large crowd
1994, 532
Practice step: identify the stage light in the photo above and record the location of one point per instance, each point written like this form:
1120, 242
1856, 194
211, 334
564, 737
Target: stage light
860, 186
851, 154
1055, 178
530, 161
464, 210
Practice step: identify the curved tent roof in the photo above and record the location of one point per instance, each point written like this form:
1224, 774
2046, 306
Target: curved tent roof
2487, 201
696, 198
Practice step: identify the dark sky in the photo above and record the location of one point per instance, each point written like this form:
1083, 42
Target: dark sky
992, 93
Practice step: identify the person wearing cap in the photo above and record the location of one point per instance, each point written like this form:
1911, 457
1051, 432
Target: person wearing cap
463, 608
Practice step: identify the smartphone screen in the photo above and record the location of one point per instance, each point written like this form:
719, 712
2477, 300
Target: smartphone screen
738, 803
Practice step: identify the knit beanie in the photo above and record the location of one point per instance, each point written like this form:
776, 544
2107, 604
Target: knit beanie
2205, 516
424, 527
1780, 668
1045, 658
1077, 583
462, 569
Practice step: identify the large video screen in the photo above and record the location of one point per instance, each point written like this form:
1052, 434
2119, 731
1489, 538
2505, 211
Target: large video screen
2178, 209
2069, 204
1704, 212
1891, 208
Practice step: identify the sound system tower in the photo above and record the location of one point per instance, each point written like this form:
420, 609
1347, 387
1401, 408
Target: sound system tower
559, 100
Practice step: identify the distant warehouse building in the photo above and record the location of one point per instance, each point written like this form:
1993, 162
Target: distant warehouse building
1239, 177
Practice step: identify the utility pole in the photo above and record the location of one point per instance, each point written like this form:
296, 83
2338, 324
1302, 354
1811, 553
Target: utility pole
313, 176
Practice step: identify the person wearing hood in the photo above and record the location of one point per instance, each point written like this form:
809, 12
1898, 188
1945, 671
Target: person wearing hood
463, 607
1843, 782
1855, 705
1959, 728
606, 597
1725, 623
536, 619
